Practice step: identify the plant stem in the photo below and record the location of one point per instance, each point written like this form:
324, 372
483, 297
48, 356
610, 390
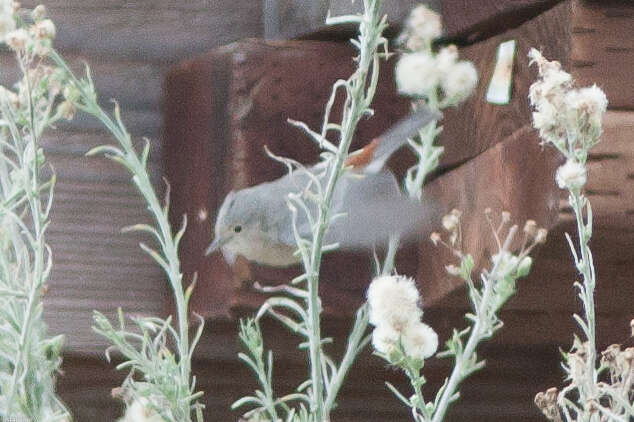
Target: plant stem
457, 374
587, 271
357, 103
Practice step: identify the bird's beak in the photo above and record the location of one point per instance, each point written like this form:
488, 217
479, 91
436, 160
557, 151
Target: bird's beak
218, 243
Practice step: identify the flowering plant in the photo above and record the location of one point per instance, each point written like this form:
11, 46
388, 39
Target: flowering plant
29, 359
436, 79
570, 119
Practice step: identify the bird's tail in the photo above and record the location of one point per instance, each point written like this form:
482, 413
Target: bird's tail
373, 157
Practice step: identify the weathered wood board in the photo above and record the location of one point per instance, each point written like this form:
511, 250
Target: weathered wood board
216, 133
470, 21
257, 84
503, 179
156, 31
475, 126
288, 19
507, 384
602, 48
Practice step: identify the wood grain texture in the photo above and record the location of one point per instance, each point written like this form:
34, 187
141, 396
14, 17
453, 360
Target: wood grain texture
506, 385
162, 31
548, 292
475, 126
470, 21
602, 48
96, 267
288, 19
256, 87
502, 179
129, 46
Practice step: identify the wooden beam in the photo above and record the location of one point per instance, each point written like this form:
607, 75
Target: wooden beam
475, 126
470, 20
602, 48
306, 19
222, 109
163, 31
513, 176
610, 189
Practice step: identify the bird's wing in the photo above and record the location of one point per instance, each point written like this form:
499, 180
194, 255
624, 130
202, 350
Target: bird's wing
374, 209
371, 207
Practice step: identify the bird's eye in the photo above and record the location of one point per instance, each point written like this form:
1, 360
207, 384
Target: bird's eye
237, 229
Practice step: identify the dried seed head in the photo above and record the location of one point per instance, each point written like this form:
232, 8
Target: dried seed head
45, 29
551, 395
450, 222
609, 355
66, 110
435, 238
540, 401
632, 327
506, 216
541, 236
530, 228
452, 270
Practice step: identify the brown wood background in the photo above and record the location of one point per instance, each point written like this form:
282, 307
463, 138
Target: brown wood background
131, 45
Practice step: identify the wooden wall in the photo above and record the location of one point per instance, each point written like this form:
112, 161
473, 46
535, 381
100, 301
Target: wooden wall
130, 45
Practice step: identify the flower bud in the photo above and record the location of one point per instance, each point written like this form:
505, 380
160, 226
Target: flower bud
530, 228
45, 29
524, 267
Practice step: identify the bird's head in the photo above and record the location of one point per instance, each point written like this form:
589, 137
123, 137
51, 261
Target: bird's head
235, 224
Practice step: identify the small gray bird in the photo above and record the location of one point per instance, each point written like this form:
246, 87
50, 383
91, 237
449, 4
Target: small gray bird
256, 222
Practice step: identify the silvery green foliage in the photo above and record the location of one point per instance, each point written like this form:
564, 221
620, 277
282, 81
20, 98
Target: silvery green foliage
570, 119
157, 353
29, 359
300, 311
487, 296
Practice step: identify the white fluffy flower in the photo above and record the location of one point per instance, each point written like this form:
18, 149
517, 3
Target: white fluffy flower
459, 81
572, 175
394, 302
446, 58
45, 29
17, 39
419, 340
422, 26
138, 411
417, 74
384, 338
587, 106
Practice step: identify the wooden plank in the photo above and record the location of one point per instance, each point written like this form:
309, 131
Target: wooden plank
288, 19
602, 48
95, 266
134, 83
162, 31
502, 179
506, 386
220, 131
477, 125
470, 20
610, 189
